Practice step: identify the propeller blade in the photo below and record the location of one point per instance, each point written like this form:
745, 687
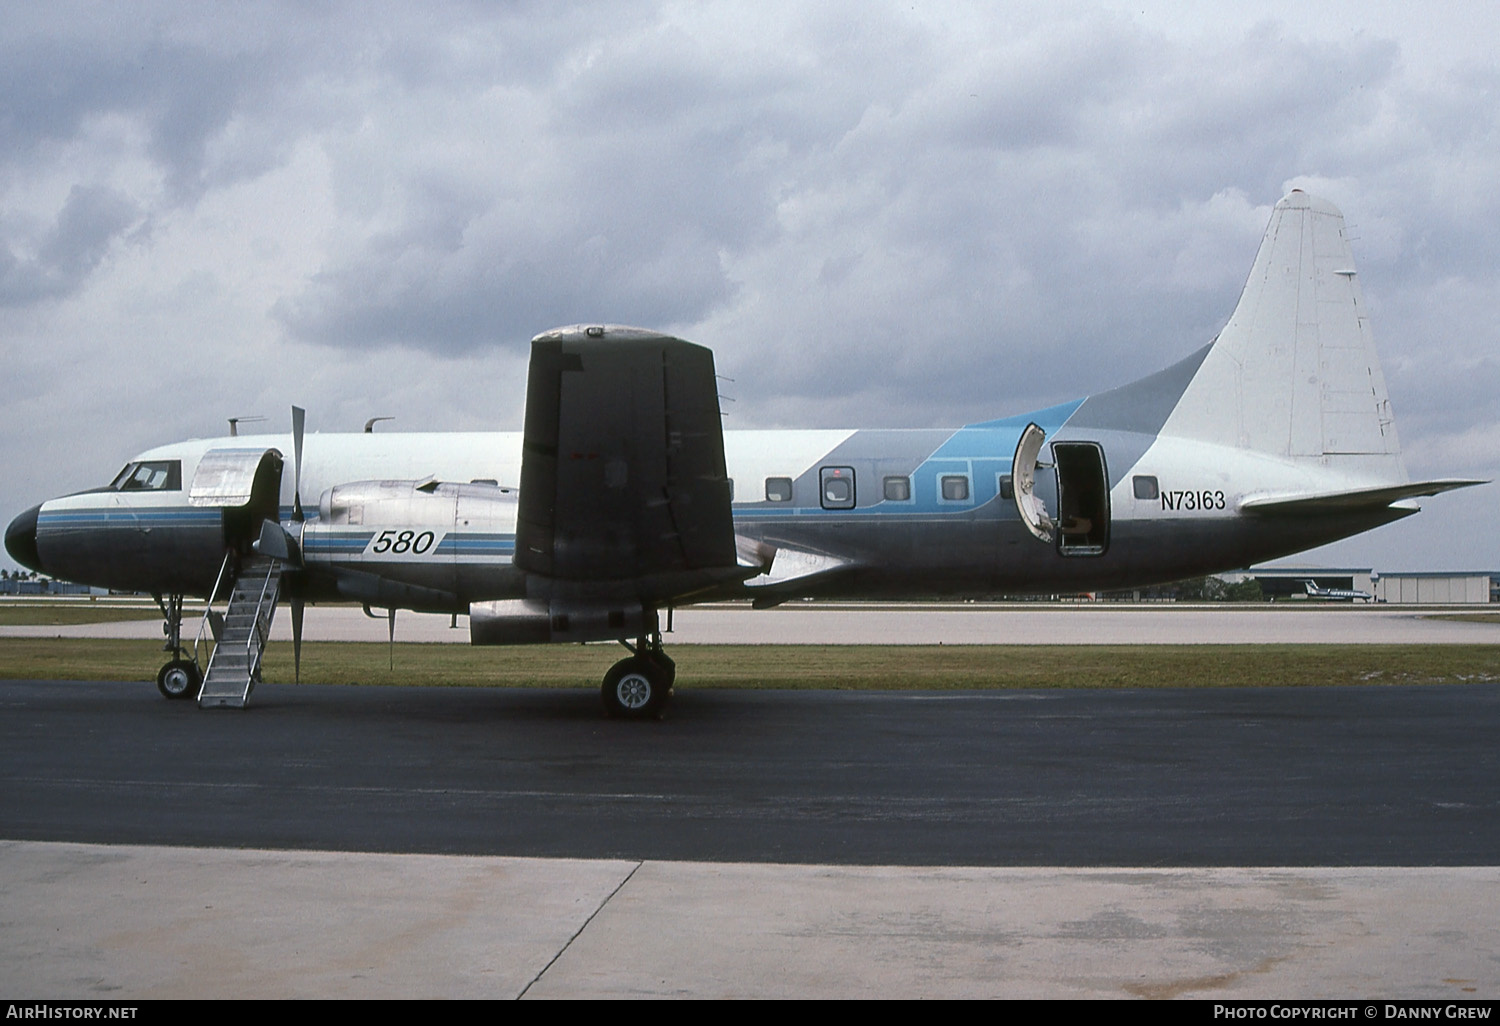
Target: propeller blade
296, 636
391, 619
299, 418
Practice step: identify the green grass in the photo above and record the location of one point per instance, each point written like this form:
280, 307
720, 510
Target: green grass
893, 667
52, 614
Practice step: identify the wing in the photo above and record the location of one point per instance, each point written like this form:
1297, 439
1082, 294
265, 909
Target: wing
623, 483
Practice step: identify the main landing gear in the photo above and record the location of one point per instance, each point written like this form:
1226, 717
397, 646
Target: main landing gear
179, 678
638, 687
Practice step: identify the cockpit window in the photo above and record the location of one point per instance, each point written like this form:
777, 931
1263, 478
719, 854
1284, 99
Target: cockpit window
149, 476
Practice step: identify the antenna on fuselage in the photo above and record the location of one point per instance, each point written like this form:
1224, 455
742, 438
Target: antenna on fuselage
370, 424
235, 422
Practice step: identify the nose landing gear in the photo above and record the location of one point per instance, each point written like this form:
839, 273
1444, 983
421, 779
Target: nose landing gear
179, 678
638, 687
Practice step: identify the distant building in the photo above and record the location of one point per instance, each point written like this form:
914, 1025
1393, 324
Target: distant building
1290, 582
45, 586
1464, 587
1456, 587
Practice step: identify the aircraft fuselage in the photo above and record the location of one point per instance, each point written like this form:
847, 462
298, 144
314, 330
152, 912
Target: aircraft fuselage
1173, 510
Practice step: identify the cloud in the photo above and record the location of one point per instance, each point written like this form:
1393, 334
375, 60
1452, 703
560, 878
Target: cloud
60, 260
875, 214
923, 219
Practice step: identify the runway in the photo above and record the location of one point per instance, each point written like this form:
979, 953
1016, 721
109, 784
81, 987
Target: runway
755, 843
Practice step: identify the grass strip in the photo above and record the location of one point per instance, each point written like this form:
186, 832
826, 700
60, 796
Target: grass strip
878, 667
57, 616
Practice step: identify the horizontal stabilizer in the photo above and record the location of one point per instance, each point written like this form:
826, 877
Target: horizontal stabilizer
1349, 501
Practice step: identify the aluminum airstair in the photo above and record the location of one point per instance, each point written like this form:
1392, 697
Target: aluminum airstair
234, 668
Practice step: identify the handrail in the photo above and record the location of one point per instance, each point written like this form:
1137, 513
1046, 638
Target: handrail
209, 605
255, 643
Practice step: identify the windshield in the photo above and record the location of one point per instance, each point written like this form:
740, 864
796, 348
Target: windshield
149, 476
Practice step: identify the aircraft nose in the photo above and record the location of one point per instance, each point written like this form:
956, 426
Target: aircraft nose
20, 539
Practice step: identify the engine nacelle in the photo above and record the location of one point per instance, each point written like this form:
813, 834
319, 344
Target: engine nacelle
537, 622
469, 508
382, 539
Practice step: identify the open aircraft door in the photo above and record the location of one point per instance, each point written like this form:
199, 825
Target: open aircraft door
1082, 499
1082, 524
1023, 477
245, 484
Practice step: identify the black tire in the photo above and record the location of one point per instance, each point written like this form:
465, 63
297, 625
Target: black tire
179, 679
637, 688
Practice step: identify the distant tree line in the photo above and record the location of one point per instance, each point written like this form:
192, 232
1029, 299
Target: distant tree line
1196, 589
1213, 589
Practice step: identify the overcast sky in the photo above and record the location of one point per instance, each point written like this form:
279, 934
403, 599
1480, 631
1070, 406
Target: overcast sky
913, 214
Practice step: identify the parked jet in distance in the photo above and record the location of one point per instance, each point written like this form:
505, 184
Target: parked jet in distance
623, 498
1335, 594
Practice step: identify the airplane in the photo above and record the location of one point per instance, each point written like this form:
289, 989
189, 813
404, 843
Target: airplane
1335, 594
623, 498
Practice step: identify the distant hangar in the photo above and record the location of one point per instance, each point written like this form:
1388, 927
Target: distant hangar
1437, 587
1462, 586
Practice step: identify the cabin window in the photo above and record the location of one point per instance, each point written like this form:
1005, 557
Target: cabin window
1007, 487
1145, 486
778, 489
955, 488
836, 487
150, 476
898, 489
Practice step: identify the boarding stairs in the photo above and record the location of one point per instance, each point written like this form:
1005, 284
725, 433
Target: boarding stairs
234, 668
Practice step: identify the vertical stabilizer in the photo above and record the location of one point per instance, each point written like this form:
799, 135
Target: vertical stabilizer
1294, 372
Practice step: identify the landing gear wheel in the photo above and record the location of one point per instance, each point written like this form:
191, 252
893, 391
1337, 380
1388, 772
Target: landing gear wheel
637, 688
178, 679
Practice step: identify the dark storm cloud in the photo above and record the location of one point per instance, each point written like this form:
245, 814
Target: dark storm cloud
69, 250
52, 87
72, 88
1047, 193
619, 191
449, 299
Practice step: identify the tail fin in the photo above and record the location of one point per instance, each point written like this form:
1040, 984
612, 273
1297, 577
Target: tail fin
1294, 372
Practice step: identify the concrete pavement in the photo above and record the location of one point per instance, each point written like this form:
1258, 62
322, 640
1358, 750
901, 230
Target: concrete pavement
124, 923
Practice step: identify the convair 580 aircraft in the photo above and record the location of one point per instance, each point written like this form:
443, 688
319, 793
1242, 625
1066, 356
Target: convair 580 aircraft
623, 498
